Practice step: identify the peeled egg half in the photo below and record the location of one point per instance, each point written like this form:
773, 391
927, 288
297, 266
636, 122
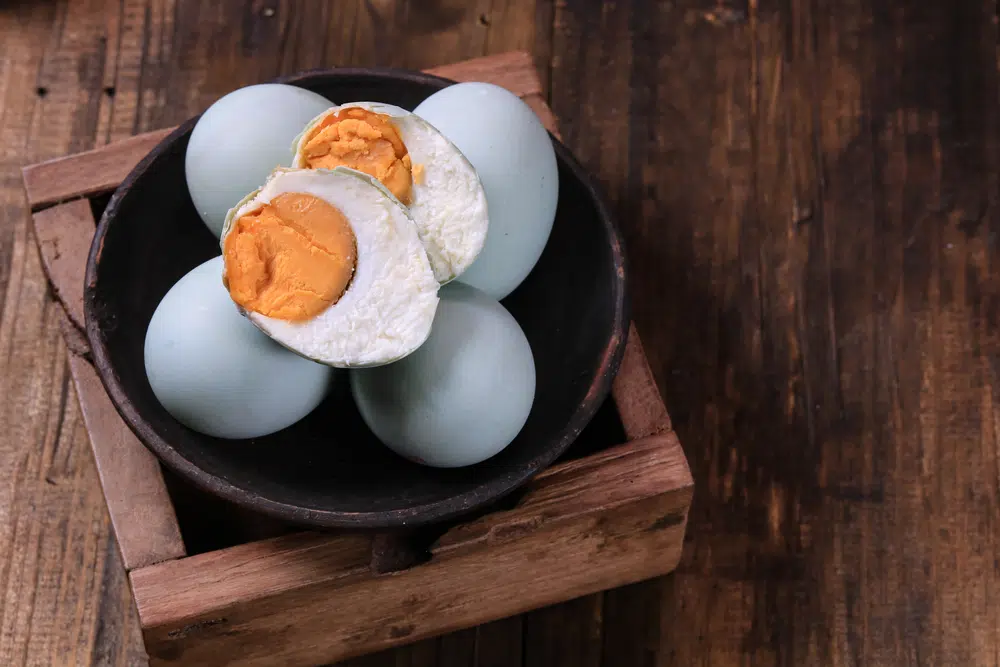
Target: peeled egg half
239, 140
216, 373
421, 168
513, 155
329, 264
463, 396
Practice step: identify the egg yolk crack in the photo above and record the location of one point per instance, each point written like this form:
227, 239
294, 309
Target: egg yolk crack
290, 259
362, 140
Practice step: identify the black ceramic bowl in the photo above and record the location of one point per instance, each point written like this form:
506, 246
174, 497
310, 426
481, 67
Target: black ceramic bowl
329, 469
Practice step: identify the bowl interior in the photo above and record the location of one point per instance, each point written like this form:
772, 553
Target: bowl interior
329, 469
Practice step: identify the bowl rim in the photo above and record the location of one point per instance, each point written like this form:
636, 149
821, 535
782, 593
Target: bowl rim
482, 494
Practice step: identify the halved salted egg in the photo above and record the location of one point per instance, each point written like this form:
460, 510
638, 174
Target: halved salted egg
329, 264
415, 162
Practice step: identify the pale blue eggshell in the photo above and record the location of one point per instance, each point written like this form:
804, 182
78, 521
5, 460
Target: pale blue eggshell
238, 142
216, 373
512, 152
463, 396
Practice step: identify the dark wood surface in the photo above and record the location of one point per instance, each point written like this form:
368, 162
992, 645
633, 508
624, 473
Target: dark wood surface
612, 518
808, 190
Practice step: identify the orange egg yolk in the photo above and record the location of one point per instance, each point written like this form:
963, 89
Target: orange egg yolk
362, 140
290, 259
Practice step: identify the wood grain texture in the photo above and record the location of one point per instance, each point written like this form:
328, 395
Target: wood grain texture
63, 234
93, 172
100, 170
64, 596
635, 393
592, 48
141, 511
809, 194
514, 71
813, 198
624, 522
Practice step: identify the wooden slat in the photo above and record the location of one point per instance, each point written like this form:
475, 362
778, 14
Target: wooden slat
141, 512
100, 170
541, 108
89, 173
569, 490
73, 336
636, 395
614, 518
514, 71
63, 234
64, 594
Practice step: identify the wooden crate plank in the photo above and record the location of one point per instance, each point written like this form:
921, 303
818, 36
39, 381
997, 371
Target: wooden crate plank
141, 511
514, 71
101, 170
582, 526
567, 491
541, 108
63, 234
636, 395
89, 173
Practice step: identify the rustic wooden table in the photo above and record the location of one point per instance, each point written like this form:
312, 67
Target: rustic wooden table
809, 192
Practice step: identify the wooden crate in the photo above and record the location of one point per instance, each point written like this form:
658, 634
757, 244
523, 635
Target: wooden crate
214, 585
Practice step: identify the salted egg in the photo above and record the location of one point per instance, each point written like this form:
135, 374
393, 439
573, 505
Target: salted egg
463, 396
216, 373
240, 139
329, 264
421, 168
513, 155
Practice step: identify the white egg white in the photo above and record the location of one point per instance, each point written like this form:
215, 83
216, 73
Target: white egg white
515, 159
448, 203
387, 310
